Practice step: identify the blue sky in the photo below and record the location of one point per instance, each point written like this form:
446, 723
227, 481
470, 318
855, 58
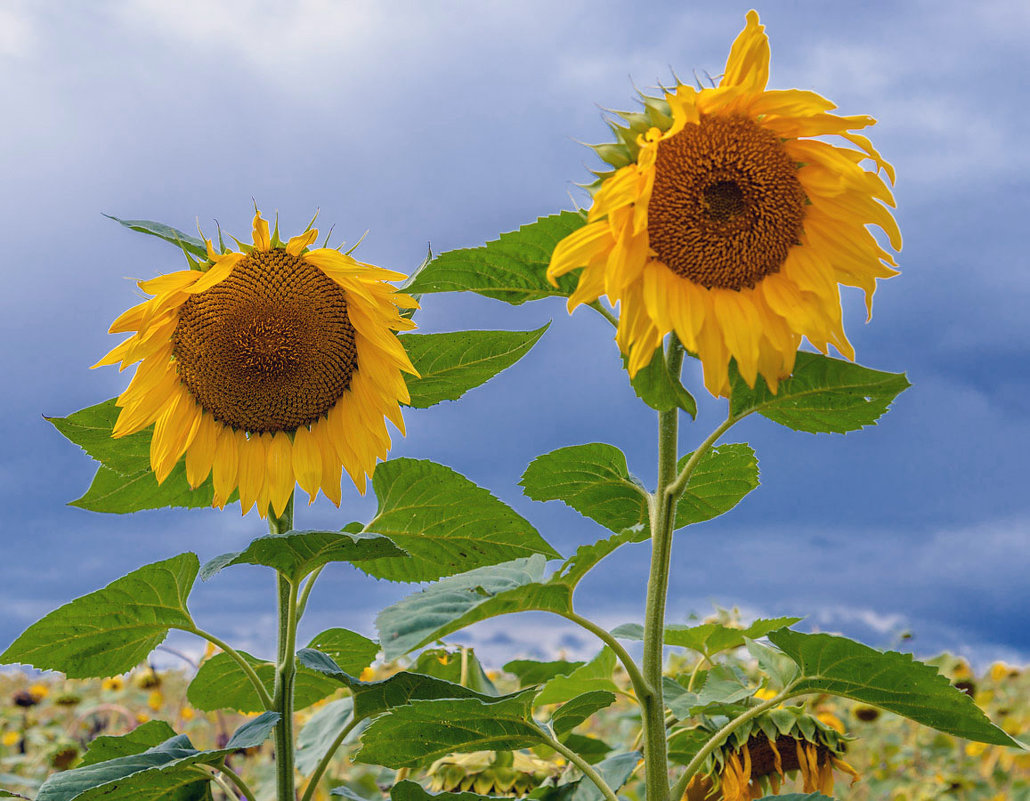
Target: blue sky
447, 123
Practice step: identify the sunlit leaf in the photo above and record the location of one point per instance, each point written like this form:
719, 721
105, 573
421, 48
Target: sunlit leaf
222, 684
351, 651
576, 710
656, 387
708, 638
144, 736
721, 479
594, 676
530, 671
187, 243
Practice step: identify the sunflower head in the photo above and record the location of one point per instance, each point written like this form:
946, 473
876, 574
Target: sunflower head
780, 743
270, 366
726, 221
497, 773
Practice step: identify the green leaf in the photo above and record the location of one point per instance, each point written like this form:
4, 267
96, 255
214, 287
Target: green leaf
516, 586
147, 735
797, 797
446, 523
708, 638
221, 684
157, 774
91, 428
595, 675
685, 743
656, 387
452, 364
296, 554
408, 790
590, 748
189, 244
9, 794
320, 732
512, 268
889, 680
721, 479
593, 479
374, 697
350, 650
111, 630
823, 395
723, 685
447, 665
576, 710
530, 671
615, 771
427, 730
773, 662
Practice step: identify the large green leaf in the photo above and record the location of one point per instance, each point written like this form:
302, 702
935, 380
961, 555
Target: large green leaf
530, 671
449, 365
659, 389
189, 244
512, 268
111, 630
351, 651
147, 735
516, 586
91, 428
576, 710
295, 554
823, 395
446, 523
615, 771
321, 731
721, 479
427, 730
157, 774
594, 676
890, 680
708, 638
221, 684
373, 697
453, 666
593, 479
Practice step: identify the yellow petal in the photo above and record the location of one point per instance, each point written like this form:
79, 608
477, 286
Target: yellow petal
748, 62
252, 469
331, 471
261, 239
169, 283
280, 472
307, 458
297, 243
221, 270
264, 496
225, 468
201, 454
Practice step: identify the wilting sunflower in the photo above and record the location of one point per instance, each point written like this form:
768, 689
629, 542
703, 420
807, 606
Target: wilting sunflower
725, 222
760, 754
273, 367
498, 773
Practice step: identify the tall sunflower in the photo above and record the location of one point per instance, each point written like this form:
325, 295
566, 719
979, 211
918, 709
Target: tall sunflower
273, 367
725, 222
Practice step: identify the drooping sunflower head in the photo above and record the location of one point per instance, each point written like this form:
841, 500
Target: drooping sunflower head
271, 366
777, 744
496, 773
725, 221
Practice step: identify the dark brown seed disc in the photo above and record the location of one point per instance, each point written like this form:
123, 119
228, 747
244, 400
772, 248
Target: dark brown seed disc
270, 348
763, 760
726, 205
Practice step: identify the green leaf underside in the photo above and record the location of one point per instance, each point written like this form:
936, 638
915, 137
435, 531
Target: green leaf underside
186, 242
593, 479
374, 697
516, 586
124, 481
156, 773
594, 676
450, 666
722, 686
823, 395
685, 743
590, 748
511, 268
111, 630
451, 364
446, 523
320, 731
221, 684
408, 790
348, 649
147, 735
708, 638
721, 479
615, 771
658, 389
298, 553
576, 710
887, 679
530, 671
427, 730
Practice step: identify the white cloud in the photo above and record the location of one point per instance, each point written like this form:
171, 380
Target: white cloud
17, 32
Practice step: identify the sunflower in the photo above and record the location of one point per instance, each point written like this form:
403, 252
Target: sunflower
273, 366
725, 222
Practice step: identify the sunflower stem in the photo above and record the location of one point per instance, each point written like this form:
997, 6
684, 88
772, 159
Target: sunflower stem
286, 668
663, 520
323, 763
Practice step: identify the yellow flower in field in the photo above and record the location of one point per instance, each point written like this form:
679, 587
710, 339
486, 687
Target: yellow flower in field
10, 739
274, 367
367, 674
113, 684
187, 713
39, 692
155, 700
765, 694
725, 222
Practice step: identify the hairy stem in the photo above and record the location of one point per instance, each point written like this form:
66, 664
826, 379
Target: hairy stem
323, 763
302, 604
245, 666
584, 766
636, 678
285, 669
236, 779
663, 520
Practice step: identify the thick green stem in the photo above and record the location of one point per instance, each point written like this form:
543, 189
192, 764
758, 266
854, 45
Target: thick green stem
636, 678
285, 670
236, 779
302, 604
663, 520
323, 763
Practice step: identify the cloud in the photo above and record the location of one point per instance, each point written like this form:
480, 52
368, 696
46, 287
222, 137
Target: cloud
17, 29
